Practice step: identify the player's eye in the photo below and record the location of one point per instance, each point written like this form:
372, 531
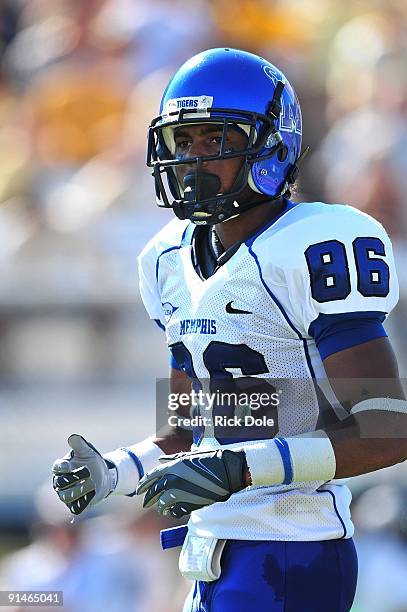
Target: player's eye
230, 145
182, 145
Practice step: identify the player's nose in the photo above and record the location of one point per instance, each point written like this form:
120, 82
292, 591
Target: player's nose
198, 148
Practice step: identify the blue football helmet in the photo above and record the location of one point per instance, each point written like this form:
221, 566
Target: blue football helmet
238, 90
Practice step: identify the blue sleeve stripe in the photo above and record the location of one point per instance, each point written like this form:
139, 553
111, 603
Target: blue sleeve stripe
337, 332
138, 463
160, 325
284, 450
351, 337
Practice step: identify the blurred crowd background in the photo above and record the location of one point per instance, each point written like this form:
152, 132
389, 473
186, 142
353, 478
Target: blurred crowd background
80, 81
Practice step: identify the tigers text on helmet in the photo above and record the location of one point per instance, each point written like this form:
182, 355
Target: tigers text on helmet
234, 89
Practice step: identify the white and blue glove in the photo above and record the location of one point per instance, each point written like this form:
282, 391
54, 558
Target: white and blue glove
83, 477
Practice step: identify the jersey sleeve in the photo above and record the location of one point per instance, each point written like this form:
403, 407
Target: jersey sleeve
147, 262
170, 236
331, 267
344, 271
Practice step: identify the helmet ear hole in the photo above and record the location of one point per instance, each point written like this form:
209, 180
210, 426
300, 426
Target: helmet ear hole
282, 153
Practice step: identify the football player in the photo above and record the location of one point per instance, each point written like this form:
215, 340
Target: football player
252, 286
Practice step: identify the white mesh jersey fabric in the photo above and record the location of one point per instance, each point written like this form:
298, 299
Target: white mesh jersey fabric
268, 278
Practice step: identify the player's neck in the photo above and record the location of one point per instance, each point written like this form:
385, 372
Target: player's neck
235, 230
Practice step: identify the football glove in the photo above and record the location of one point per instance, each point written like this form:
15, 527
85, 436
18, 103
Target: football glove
188, 481
83, 477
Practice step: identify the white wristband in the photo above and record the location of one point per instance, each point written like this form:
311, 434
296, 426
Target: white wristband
132, 463
306, 458
380, 403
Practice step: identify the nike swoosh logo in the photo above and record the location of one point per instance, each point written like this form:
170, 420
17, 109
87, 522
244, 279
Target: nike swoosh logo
231, 310
203, 467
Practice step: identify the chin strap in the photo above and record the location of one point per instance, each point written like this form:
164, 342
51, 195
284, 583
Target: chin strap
293, 174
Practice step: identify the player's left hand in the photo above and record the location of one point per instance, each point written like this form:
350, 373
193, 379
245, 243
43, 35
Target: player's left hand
188, 481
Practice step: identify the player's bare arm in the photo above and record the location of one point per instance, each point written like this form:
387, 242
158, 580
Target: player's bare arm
176, 439
371, 439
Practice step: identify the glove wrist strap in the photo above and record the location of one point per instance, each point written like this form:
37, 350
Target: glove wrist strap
113, 475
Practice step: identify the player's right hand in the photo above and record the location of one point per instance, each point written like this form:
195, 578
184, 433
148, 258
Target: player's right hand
83, 477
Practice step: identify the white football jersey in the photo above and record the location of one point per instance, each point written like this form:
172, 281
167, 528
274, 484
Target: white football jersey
252, 318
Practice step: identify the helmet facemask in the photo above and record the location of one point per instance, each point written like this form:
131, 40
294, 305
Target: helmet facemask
198, 198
